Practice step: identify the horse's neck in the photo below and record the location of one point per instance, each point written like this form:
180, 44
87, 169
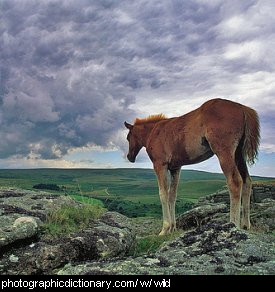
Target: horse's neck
147, 131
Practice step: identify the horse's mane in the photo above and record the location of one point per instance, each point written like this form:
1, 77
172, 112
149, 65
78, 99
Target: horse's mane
149, 119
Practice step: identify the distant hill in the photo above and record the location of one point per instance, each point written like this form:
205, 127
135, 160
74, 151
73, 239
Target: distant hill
131, 191
114, 171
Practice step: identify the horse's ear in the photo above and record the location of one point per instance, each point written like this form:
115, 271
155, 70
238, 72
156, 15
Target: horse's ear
128, 126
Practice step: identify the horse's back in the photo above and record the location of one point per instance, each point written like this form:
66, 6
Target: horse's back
194, 137
224, 124
222, 113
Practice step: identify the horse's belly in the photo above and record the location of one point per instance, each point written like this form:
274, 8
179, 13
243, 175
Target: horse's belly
193, 153
199, 158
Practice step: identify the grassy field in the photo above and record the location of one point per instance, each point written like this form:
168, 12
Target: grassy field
133, 192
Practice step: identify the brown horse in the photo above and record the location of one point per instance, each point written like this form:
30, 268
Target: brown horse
222, 127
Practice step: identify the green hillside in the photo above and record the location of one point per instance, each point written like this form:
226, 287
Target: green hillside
133, 192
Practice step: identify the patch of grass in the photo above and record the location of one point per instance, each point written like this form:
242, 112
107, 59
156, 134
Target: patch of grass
87, 200
151, 243
134, 209
70, 219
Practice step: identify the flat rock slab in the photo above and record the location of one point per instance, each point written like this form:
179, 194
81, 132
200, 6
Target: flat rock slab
212, 249
31, 203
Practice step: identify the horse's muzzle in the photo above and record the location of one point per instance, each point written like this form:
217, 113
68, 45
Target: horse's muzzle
131, 159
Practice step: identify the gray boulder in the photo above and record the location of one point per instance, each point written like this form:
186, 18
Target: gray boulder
201, 215
261, 192
221, 196
18, 229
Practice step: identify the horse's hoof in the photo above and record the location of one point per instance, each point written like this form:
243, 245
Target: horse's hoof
164, 232
246, 226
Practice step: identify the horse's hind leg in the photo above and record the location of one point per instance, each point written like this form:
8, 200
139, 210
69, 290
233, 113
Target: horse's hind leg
234, 183
246, 189
246, 193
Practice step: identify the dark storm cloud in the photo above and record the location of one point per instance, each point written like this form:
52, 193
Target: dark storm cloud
58, 77
71, 70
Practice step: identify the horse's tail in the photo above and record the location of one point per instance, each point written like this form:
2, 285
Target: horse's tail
251, 135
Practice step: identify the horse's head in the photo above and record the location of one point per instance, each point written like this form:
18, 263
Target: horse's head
135, 141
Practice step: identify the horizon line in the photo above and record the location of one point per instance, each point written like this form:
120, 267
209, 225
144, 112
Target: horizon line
117, 168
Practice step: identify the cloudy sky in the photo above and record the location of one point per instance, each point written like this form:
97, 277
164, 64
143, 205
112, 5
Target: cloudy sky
72, 71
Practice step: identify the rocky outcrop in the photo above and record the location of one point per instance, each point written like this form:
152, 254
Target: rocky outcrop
212, 249
259, 193
23, 251
110, 236
208, 244
215, 208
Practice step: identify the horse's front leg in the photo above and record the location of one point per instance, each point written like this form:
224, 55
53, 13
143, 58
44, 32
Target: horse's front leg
162, 173
175, 174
